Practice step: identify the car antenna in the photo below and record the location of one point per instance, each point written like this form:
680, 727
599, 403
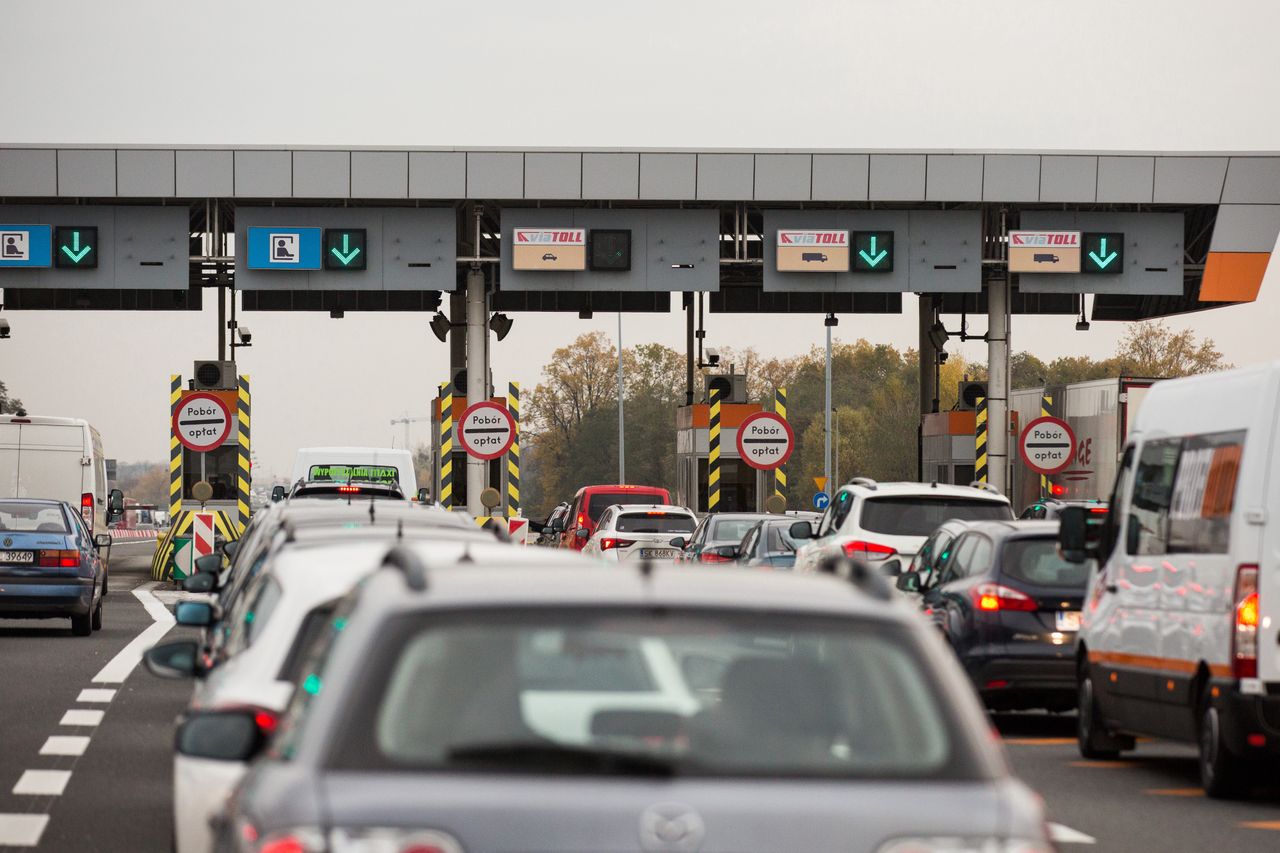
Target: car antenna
371, 518
399, 529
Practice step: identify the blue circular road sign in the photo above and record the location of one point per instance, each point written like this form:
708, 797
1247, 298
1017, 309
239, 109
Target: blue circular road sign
821, 500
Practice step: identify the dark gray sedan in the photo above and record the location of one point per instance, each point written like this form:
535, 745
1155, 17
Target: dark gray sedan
578, 709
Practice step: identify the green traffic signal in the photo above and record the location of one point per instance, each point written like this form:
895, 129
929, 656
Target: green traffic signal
75, 247
345, 249
1102, 253
873, 251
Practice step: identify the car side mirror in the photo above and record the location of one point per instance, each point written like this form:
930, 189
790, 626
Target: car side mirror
102, 540
174, 659
582, 533
277, 494
220, 735
800, 530
908, 582
729, 552
679, 542
1072, 534
424, 495
200, 582
557, 526
115, 503
209, 563
1132, 534
196, 614
230, 548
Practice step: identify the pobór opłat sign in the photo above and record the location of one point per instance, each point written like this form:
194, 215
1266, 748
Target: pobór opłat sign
812, 251
486, 430
202, 421
549, 249
1044, 251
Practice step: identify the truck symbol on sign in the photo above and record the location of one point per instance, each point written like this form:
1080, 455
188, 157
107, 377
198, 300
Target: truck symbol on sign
813, 256
1044, 258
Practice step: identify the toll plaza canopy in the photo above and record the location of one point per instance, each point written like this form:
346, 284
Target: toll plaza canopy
1149, 234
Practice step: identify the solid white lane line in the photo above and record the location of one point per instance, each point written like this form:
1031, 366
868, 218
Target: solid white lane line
119, 667
65, 745
99, 694
21, 830
76, 717
1066, 835
43, 783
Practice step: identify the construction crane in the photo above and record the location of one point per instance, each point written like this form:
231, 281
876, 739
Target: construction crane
406, 420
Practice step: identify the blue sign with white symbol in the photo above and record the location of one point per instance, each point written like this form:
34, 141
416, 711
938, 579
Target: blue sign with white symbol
283, 247
26, 246
821, 500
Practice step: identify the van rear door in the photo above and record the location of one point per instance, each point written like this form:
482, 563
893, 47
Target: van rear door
51, 462
1269, 554
9, 458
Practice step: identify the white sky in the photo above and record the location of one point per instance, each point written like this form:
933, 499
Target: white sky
852, 74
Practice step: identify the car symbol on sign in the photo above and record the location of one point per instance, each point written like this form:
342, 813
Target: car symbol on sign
813, 256
1044, 258
548, 257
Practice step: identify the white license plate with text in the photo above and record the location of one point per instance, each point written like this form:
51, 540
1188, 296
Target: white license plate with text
1068, 620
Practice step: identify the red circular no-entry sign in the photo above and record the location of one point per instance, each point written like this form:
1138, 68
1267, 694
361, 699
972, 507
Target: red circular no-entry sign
765, 440
1047, 445
202, 422
486, 430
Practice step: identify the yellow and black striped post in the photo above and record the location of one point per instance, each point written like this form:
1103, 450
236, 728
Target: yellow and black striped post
175, 451
513, 458
446, 446
1046, 411
713, 455
980, 439
245, 479
780, 473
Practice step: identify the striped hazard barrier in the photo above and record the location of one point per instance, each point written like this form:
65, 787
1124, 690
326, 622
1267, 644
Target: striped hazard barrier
713, 455
445, 491
224, 529
780, 473
513, 454
980, 442
1046, 411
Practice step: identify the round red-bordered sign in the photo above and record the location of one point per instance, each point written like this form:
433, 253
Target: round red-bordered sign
1055, 449
758, 442
202, 422
486, 430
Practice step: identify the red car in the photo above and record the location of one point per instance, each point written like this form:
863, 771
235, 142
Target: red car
590, 501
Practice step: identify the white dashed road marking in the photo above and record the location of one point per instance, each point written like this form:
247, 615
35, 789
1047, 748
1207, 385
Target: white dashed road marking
65, 745
43, 783
76, 717
96, 694
119, 667
1066, 835
21, 830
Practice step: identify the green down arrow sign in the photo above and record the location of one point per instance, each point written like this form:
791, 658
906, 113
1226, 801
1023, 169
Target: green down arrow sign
873, 251
345, 249
1103, 253
77, 246
348, 254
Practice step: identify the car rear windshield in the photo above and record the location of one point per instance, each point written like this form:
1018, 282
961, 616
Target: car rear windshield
920, 516
655, 692
1036, 561
779, 539
16, 517
732, 529
345, 493
600, 501
655, 522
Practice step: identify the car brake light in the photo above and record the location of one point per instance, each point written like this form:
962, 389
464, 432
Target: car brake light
992, 597
713, 558
349, 490
609, 543
1244, 641
1098, 510
377, 840
303, 840
59, 559
86, 508
867, 551
1057, 490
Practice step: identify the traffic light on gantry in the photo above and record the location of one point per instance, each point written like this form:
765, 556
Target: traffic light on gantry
1102, 253
345, 249
75, 247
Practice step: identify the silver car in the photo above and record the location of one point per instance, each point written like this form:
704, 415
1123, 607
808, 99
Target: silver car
485, 708
626, 531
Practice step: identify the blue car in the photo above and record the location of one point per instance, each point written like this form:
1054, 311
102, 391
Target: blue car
50, 565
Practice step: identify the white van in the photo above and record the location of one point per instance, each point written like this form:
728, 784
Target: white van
1182, 618
378, 464
58, 458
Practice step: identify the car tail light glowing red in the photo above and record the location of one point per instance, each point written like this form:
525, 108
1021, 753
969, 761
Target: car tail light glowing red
713, 558
1244, 640
349, 490
860, 550
378, 840
609, 543
86, 508
59, 559
992, 597
1057, 490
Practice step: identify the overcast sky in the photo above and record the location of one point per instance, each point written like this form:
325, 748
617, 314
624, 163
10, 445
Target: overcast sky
852, 74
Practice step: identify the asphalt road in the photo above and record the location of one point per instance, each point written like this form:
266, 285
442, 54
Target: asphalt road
116, 794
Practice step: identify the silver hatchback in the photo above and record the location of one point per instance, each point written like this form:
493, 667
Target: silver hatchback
482, 708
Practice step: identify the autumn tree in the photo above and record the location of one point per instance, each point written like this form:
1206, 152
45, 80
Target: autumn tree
1153, 349
8, 405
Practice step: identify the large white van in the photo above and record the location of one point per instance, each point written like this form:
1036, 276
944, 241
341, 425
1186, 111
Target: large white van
1181, 622
58, 458
356, 463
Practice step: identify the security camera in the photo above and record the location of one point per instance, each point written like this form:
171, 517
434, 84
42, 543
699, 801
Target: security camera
713, 356
245, 335
4, 328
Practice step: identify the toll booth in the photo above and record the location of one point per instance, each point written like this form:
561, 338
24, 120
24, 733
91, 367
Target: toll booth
497, 470
742, 488
948, 446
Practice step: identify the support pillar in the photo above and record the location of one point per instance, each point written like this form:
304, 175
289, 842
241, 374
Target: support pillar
998, 382
477, 377
928, 358
457, 335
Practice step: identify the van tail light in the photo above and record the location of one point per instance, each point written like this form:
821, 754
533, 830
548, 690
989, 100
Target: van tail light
608, 543
993, 597
59, 559
378, 840
86, 508
1244, 640
299, 840
859, 550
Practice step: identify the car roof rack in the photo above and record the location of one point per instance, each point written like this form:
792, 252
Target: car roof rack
415, 573
986, 487
865, 482
859, 574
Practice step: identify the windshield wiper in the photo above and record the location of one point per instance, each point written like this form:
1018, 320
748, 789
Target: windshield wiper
527, 755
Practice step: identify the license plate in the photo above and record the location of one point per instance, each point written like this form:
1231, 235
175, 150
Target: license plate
658, 553
17, 556
1068, 620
